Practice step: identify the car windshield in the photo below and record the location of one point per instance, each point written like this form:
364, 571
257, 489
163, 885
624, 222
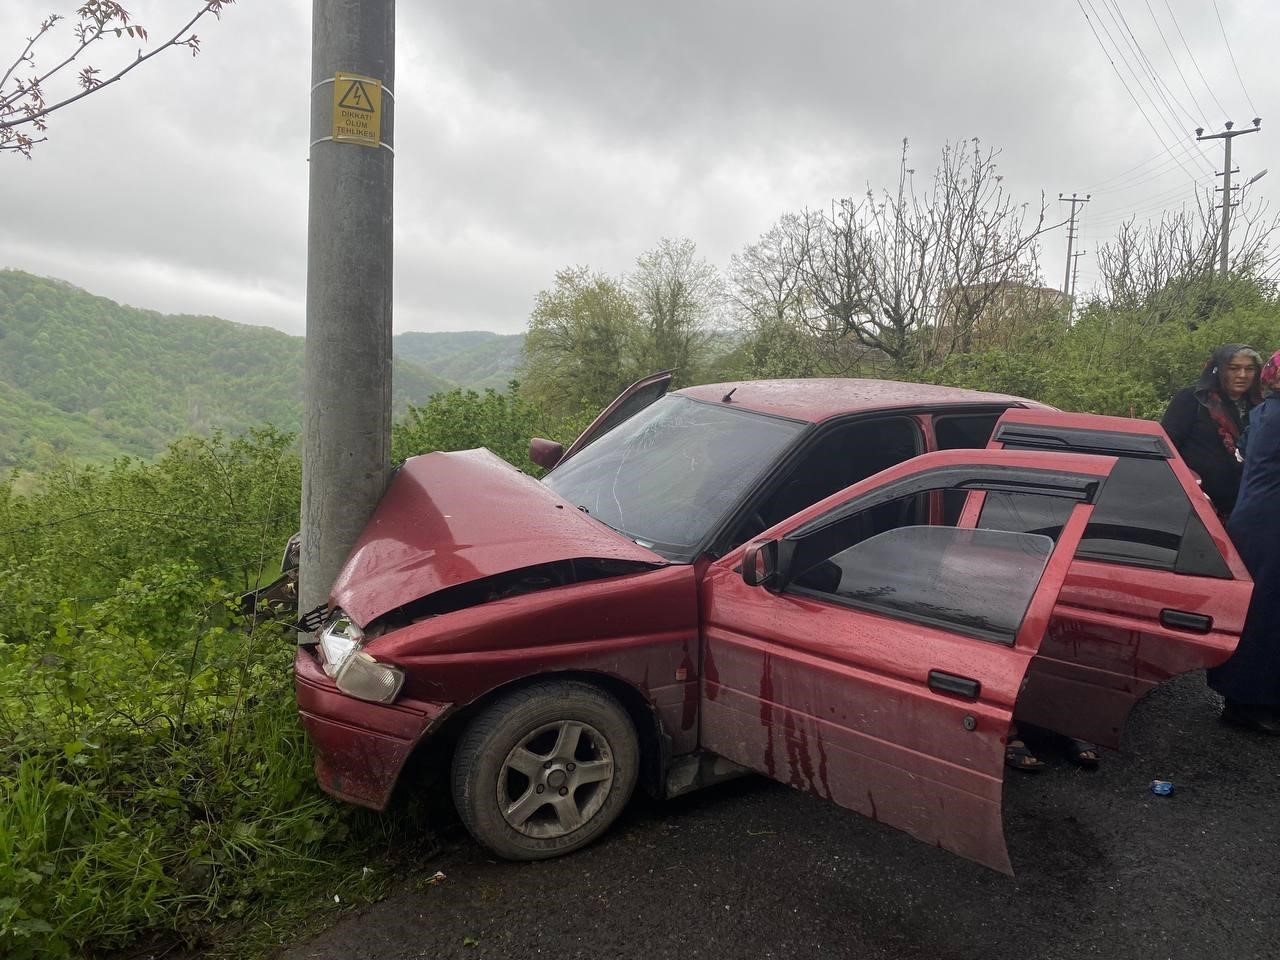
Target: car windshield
668, 475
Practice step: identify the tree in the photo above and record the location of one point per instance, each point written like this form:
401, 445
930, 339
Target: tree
676, 293
1165, 269
766, 280
768, 298
25, 104
585, 342
909, 276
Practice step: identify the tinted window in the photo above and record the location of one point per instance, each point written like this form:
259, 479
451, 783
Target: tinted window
838, 457
1025, 513
964, 433
1139, 518
976, 582
668, 475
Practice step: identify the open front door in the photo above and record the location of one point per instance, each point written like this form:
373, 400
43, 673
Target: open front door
627, 404
1156, 588
878, 664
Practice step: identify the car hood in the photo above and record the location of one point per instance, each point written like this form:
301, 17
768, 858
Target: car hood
451, 518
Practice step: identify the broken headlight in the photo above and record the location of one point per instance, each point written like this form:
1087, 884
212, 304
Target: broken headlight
356, 673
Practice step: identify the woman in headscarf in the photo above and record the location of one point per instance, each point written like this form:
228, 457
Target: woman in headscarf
1250, 680
1205, 421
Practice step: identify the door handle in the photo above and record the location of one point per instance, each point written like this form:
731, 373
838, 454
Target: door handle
1182, 620
942, 682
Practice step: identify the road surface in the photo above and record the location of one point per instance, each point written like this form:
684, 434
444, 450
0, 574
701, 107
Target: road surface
755, 869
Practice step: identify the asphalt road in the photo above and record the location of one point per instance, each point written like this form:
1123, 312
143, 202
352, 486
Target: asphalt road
756, 869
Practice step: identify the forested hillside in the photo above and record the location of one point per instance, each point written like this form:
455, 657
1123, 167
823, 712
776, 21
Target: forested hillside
84, 376
474, 358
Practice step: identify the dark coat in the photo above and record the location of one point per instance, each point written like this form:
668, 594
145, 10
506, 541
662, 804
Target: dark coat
1252, 675
1190, 424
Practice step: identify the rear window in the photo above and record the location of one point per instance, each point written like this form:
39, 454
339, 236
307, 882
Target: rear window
966, 432
1143, 518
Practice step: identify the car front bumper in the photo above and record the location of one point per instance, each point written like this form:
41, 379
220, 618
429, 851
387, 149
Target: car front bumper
360, 747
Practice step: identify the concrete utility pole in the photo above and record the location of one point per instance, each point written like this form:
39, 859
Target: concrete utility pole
1226, 136
1067, 285
346, 434
1075, 271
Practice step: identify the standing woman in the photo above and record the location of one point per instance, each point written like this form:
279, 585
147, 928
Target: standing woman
1250, 680
1205, 421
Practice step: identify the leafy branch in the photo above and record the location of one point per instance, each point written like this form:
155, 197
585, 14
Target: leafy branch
23, 103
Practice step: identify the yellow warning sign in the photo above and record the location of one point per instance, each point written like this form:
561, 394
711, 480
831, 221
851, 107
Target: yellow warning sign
357, 109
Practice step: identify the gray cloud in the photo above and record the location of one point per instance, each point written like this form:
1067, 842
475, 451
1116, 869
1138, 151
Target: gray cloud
533, 135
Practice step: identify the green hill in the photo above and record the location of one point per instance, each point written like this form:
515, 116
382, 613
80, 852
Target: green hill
473, 358
84, 376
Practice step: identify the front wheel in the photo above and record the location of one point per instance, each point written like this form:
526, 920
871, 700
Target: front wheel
545, 770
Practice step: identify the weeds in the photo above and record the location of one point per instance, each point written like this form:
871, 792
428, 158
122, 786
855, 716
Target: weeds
154, 775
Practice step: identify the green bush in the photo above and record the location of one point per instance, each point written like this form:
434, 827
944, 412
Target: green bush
465, 419
154, 775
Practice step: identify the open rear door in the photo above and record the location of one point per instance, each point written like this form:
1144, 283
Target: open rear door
877, 664
1155, 590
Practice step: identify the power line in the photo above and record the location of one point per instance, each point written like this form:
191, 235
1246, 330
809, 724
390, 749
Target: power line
1181, 75
1124, 57
1172, 104
1163, 157
1156, 202
1151, 212
1106, 53
1194, 62
1217, 14
1140, 180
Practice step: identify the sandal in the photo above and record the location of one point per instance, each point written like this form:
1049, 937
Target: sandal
1083, 753
1017, 756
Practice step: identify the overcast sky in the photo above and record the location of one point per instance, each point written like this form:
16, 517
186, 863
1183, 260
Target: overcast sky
535, 135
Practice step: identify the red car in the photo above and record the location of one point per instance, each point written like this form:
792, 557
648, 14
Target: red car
850, 586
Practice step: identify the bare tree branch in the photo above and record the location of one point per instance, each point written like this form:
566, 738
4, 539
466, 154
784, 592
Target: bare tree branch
23, 106
1150, 268
910, 275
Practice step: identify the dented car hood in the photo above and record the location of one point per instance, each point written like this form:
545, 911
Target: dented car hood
451, 518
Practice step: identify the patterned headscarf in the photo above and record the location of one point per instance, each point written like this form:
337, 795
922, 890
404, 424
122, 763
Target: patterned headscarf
1270, 377
1211, 395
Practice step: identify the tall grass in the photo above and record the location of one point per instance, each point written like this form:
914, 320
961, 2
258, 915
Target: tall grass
153, 771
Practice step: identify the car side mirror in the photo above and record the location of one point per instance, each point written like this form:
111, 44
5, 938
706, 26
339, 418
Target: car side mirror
545, 453
760, 564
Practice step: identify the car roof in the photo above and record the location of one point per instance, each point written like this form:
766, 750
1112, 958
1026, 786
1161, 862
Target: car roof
820, 399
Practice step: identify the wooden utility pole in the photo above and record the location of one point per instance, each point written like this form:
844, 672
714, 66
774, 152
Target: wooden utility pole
346, 393
1071, 236
1226, 136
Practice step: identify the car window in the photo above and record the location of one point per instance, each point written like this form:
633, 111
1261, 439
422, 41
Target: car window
840, 456
961, 432
964, 432
666, 477
1142, 518
975, 582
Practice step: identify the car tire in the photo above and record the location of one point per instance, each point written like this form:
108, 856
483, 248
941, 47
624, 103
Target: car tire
545, 770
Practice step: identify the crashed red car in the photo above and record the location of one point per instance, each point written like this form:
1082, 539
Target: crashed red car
849, 586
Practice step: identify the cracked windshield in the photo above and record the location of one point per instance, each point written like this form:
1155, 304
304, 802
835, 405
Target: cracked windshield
667, 475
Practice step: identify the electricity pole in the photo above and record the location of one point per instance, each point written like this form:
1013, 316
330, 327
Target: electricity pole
1226, 136
1075, 271
346, 392
1067, 285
